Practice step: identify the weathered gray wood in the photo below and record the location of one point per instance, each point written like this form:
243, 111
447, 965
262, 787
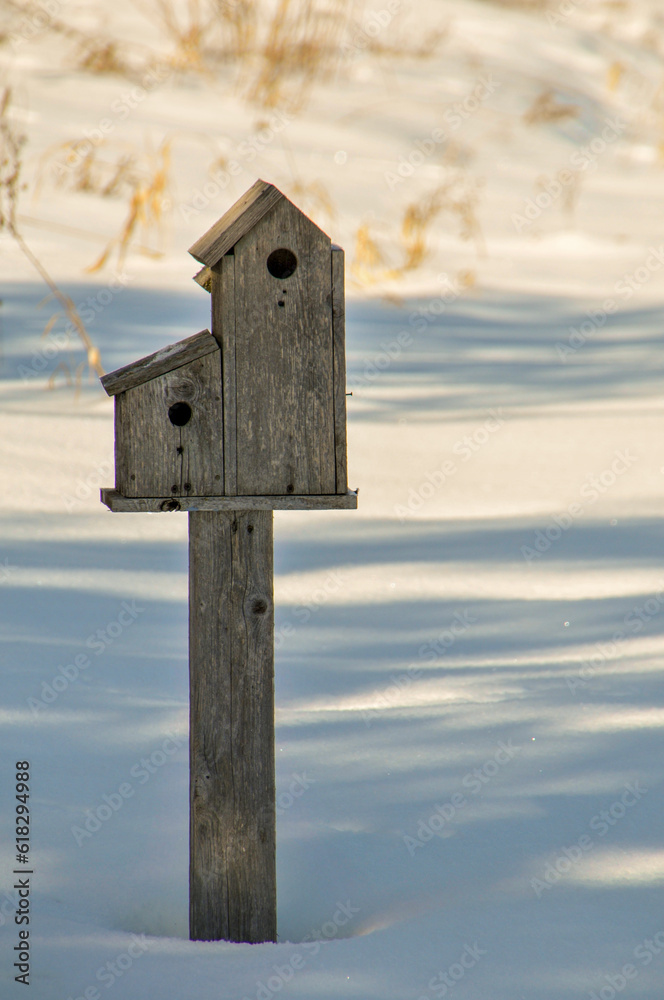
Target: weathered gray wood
115, 501
284, 359
159, 363
339, 347
264, 427
231, 632
223, 329
235, 223
154, 457
204, 278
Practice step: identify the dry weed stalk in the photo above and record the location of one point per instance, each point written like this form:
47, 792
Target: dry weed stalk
279, 47
368, 259
457, 196
408, 47
188, 34
148, 196
547, 108
303, 42
141, 179
92, 52
11, 145
615, 74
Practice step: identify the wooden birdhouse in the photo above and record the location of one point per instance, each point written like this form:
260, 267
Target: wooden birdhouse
256, 409
231, 425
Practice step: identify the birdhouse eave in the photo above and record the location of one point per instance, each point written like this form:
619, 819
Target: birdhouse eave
163, 361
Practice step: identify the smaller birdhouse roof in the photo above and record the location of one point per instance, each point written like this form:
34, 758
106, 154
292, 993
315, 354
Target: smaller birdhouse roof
165, 360
236, 223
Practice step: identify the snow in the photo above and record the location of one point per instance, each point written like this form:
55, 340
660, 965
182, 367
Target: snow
471, 676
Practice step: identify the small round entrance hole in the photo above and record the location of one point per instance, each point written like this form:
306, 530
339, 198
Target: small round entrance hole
179, 414
281, 263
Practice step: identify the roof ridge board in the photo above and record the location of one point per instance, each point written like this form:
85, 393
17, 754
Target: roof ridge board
236, 222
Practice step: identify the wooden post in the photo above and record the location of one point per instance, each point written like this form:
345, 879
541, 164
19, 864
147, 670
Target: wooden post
231, 425
233, 891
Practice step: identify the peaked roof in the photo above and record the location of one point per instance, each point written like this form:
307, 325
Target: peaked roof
237, 221
165, 360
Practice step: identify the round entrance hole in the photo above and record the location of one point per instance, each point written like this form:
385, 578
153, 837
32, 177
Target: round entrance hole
179, 414
281, 263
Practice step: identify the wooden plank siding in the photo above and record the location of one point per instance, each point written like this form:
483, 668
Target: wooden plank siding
284, 360
154, 457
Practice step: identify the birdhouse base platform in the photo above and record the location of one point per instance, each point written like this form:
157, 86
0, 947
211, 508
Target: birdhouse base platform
331, 501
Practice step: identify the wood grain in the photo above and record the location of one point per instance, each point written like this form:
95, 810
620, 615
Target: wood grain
235, 223
155, 458
223, 329
115, 501
284, 360
339, 348
231, 629
160, 362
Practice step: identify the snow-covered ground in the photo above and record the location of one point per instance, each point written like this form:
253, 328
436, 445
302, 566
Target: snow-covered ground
469, 695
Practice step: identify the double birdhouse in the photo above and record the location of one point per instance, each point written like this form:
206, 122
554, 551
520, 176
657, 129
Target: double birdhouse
231, 425
253, 414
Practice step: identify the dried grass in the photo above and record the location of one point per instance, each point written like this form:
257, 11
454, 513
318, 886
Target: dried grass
277, 48
146, 202
368, 260
11, 146
546, 108
302, 45
91, 52
141, 179
457, 196
615, 74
